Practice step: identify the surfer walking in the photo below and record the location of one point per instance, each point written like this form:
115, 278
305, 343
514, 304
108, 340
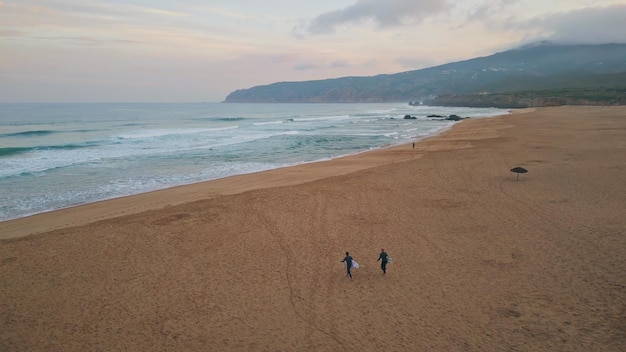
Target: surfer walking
384, 257
348, 260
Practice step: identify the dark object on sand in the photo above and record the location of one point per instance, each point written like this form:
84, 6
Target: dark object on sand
519, 170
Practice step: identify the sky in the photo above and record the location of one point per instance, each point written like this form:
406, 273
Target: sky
200, 51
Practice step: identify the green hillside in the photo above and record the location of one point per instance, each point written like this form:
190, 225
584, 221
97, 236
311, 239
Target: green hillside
541, 68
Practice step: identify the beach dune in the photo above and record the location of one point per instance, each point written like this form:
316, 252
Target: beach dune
482, 261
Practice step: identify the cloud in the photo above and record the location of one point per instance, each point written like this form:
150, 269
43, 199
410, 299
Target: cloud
10, 33
320, 64
388, 13
75, 40
302, 66
490, 10
596, 25
339, 64
590, 25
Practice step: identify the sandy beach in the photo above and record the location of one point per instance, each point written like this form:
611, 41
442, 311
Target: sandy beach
482, 261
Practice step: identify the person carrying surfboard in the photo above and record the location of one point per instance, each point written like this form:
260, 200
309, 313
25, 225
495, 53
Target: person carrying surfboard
348, 259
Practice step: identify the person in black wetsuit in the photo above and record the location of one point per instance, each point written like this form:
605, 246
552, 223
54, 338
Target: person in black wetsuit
348, 260
385, 258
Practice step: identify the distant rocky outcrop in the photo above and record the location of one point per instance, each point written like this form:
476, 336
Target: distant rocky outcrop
437, 117
454, 118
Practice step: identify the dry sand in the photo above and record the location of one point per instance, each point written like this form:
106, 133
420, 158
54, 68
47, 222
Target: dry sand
482, 262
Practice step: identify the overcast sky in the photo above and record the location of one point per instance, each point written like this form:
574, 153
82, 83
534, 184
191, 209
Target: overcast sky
201, 50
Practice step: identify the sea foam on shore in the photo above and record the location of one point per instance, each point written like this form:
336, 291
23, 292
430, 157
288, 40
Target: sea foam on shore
59, 155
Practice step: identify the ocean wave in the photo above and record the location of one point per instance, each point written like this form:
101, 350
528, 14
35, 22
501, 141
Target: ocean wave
229, 118
37, 160
35, 133
218, 118
157, 133
268, 123
10, 151
13, 151
320, 118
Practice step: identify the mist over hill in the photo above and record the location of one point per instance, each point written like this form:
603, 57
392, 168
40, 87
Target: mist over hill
514, 78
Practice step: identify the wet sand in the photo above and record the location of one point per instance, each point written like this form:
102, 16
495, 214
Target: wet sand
482, 261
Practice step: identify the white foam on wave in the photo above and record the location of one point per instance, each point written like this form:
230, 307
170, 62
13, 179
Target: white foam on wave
287, 133
268, 123
392, 134
156, 133
40, 161
322, 118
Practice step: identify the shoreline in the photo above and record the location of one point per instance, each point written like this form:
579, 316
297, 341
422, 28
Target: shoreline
72, 173
126, 205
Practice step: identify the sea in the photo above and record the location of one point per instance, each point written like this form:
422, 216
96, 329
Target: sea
58, 155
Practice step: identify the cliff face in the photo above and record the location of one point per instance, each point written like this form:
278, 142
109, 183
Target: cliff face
544, 67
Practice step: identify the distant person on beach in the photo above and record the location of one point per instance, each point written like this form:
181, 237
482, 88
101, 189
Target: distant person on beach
348, 260
385, 258
413, 145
